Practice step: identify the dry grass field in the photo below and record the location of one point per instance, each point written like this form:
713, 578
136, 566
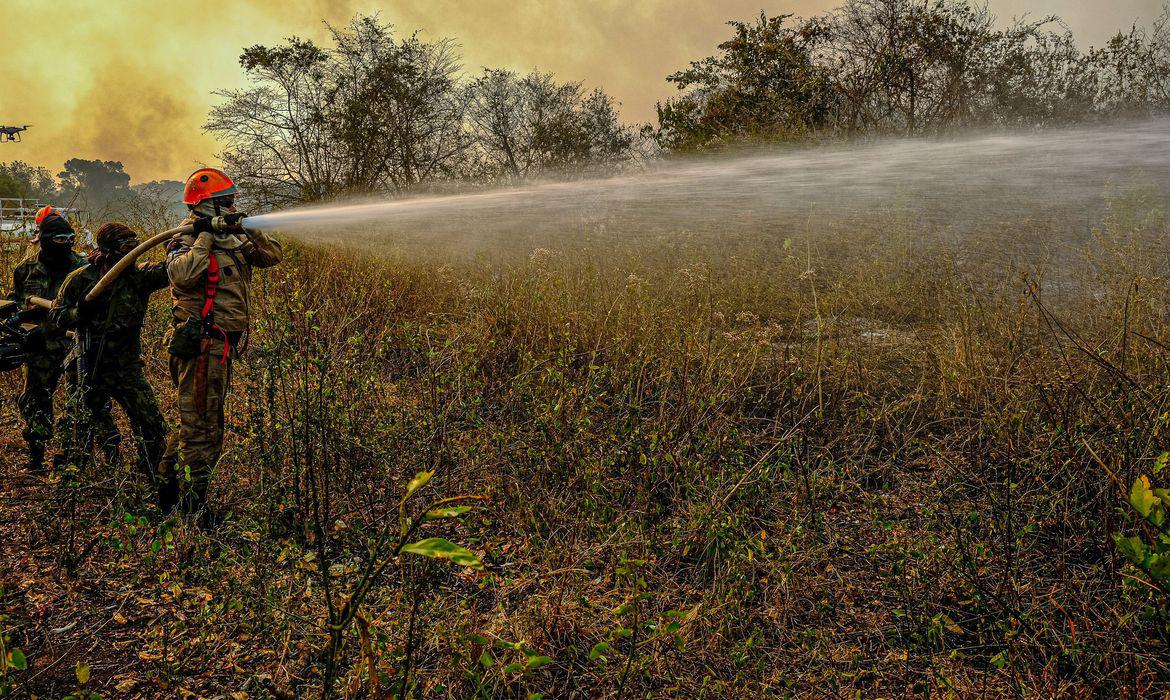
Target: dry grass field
861, 461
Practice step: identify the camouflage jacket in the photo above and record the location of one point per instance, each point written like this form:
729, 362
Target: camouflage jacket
187, 260
32, 278
113, 334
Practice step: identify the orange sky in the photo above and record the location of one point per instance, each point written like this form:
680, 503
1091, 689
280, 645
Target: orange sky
129, 80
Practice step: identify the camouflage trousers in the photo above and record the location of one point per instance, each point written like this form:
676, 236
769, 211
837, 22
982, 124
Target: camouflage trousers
203, 386
127, 385
42, 374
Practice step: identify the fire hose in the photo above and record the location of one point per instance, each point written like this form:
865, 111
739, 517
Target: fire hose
132, 257
218, 223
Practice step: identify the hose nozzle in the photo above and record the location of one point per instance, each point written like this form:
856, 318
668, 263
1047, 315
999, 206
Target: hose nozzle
228, 222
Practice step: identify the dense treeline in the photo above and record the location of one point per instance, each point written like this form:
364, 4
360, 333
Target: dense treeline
98, 189
93, 179
909, 67
19, 179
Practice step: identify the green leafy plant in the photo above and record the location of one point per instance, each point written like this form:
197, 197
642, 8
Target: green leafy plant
1149, 552
636, 629
495, 663
12, 659
385, 551
526, 659
81, 672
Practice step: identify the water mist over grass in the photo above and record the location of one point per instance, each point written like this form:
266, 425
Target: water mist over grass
948, 186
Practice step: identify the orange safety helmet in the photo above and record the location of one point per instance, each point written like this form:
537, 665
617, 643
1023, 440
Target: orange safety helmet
46, 211
207, 183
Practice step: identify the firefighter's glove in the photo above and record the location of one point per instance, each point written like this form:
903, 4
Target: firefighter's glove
34, 340
203, 225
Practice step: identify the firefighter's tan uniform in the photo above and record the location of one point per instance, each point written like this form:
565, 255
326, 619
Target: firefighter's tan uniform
202, 380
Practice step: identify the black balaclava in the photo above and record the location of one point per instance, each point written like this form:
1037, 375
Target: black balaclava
56, 239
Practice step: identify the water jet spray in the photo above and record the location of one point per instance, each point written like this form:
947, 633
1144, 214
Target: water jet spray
952, 185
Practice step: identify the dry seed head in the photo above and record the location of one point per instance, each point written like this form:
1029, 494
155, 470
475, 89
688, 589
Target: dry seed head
543, 257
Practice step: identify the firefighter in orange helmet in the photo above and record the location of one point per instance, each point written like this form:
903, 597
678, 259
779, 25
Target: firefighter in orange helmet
211, 274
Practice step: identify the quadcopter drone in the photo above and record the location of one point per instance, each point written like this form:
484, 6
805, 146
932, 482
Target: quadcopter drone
12, 133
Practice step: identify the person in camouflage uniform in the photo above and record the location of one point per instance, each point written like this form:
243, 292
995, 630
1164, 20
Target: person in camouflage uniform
41, 275
211, 275
111, 326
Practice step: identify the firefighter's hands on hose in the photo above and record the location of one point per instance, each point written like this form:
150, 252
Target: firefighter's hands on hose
227, 223
233, 221
203, 224
13, 327
34, 310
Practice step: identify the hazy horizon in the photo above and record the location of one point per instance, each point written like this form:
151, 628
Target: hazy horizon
130, 82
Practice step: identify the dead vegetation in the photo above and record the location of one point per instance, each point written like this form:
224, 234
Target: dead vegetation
857, 462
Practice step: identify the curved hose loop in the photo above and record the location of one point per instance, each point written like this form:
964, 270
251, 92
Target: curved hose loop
219, 223
130, 258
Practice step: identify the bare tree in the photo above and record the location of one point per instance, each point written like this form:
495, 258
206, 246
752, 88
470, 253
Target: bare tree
1133, 71
275, 132
909, 67
395, 108
533, 126
371, 114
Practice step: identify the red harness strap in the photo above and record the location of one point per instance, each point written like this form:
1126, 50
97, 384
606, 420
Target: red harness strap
209, 291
